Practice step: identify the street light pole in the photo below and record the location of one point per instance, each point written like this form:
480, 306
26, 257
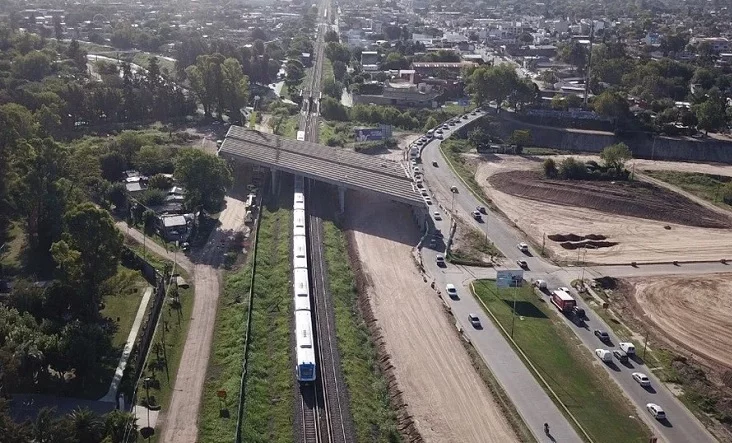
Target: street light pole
513, 312
147, 390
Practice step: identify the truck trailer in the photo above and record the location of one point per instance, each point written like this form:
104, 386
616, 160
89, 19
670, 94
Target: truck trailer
563, 301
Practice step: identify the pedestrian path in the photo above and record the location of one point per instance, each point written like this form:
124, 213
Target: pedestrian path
111, 395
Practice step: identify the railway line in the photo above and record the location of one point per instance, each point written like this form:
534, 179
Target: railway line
323, 411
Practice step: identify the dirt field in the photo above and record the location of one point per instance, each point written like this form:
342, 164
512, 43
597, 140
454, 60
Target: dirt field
636, 239
629, 198
445, 396
680, 307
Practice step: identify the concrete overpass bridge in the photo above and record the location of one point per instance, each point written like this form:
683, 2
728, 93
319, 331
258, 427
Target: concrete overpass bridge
339, 167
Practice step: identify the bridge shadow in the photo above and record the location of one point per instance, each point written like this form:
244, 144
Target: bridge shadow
380, 217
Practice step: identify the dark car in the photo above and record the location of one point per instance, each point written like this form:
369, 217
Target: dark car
579, 312
602, 335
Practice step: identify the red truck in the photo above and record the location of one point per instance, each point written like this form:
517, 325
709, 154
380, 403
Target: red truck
563, 301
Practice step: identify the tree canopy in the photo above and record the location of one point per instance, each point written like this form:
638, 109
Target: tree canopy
205, 178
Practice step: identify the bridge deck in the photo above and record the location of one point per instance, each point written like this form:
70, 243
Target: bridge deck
331, 165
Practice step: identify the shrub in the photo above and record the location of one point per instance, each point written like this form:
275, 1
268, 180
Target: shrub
550, 168
572, 169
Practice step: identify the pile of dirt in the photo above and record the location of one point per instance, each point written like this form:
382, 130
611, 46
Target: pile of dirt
587, 244
575, 237
631, 198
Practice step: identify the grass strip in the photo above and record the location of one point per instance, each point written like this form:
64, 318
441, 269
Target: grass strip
268, 399
373, 418
451, 150
713, 188
166, 348
559, 357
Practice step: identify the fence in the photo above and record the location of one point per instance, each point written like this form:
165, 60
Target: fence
240, 407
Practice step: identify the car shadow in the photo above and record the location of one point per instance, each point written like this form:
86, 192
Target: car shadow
637, 359
628, 364
650, 389
613, 366
666, 423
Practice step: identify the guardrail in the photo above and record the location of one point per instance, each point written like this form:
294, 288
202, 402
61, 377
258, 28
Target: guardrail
248, 329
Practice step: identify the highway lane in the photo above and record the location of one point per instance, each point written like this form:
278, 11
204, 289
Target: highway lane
682, 426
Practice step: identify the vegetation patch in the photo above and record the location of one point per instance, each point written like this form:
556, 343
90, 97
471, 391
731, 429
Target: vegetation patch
565, 365
714, 188
373, 418
268, 399
453, 150
166, 348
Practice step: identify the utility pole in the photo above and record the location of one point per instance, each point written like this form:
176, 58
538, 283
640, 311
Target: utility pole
589, 61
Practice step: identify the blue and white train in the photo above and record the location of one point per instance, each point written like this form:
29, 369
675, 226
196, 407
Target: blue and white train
305, 352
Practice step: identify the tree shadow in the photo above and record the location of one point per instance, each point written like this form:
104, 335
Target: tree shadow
525, 309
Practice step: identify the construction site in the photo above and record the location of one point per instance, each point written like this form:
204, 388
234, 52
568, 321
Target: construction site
605, 222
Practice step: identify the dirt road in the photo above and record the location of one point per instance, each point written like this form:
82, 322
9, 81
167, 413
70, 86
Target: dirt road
637, 239
694, 312
180, 421
445, 396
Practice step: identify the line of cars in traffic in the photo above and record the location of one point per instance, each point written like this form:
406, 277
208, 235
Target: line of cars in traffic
625, 355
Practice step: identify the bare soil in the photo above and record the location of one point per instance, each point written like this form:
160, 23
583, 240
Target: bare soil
637, 239
694, 312
691, 316
443, 394
628, 198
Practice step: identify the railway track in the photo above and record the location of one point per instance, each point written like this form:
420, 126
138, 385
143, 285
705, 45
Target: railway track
336, 424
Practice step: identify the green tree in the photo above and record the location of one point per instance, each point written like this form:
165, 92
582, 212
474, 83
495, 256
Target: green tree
492, 83
520, 137
113, 166
339, 70
235, 88
33, 66
120, 426
331, 36
430, 123
336, 51
332, 88
91, 232
332, 109
160, 181
205, 178
612, 105
616, 155
576, 54
711, 113
151, 160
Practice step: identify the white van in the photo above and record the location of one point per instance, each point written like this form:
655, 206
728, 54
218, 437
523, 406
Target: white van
430, 133
628, 348
604, 355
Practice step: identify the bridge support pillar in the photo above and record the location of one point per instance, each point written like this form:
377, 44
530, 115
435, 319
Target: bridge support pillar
274, 182
342, 198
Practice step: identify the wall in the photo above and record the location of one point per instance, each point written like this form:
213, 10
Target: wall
642, 145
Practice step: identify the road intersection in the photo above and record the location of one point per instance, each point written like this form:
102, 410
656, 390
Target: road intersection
533, 404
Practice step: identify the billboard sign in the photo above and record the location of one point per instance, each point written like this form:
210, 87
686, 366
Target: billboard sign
368, 134
509, 278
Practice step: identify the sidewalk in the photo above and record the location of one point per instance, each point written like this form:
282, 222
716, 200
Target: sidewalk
111, 395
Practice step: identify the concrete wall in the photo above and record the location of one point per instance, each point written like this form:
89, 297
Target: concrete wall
642, 145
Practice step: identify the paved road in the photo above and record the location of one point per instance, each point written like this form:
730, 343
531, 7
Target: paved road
682, 426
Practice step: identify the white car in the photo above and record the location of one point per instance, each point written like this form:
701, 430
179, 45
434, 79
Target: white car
642, 379
440, 260
656, 411
563, 289
523, 247
438, 216
439, 136
428, 200
451, 290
